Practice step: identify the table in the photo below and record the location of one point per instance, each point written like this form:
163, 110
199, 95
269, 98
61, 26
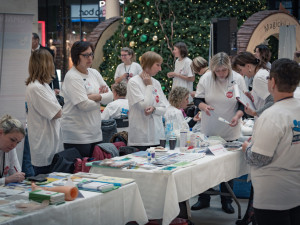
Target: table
162, 191
115, 207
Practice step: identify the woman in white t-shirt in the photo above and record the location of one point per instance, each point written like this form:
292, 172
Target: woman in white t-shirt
128, 68
11, 133
119, 107
83, 91
44, 112
147, 104
214, 97
273, 153
182, 75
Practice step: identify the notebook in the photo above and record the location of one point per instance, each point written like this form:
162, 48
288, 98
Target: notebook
117, 181
242, 98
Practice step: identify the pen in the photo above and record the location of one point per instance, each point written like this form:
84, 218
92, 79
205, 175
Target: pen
15, 169
249, 139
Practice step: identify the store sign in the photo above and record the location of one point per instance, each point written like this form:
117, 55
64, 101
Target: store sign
89, 13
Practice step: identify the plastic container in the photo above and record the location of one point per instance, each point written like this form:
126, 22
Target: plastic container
184, 134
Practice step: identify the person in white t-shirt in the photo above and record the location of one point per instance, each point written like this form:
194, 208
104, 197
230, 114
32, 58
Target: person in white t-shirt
274, 151
214, 97
128, 68
119, 107
248, 65
147, 104
44, 112
83, 91
182, 75
11, 133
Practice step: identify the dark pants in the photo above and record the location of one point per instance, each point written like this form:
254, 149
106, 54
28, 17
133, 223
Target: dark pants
85, 150
27, 168
42, 169
277, 217
224, 199
144, 148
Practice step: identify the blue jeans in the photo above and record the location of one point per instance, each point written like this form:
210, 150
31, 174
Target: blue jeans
42, 169
26, 163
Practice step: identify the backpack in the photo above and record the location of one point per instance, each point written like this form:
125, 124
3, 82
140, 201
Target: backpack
120, 136
109, 128
64, 160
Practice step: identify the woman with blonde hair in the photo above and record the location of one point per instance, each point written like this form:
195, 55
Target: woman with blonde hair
147, 104
128, 68
11, 133
214, 97
44, 112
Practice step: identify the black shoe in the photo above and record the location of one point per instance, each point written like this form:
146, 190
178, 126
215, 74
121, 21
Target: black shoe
200, 205
227, 207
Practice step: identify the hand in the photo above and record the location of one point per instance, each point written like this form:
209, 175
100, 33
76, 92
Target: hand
103, 89
234, 121
197, 117
125, 76
250, 111
56, 91
146, 78
171, 74
206, 108
130, 75
149, 110
193, 94
16, 177
245, 145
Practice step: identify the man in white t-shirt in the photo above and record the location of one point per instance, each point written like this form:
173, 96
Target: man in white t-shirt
274, 151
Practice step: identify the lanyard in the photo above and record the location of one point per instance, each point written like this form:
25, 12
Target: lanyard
125, 68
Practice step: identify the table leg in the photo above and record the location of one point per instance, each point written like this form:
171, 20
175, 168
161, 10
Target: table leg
234, 198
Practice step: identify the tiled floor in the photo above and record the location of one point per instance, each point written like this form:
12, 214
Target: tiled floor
214, 214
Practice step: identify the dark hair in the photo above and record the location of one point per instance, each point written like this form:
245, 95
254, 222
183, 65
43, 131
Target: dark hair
182, 49
243, 58
286, 73
264, 51
77, 48
35, 36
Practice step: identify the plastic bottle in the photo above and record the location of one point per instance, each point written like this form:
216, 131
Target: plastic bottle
184, 134
193, 140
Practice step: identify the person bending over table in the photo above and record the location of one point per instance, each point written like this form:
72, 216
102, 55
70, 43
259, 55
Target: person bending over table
147, 104
11, 133
83, 89
214, 97
44, 112
274, 151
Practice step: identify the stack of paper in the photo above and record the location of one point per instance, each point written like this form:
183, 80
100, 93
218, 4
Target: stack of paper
117, 181
95, 186
54, 198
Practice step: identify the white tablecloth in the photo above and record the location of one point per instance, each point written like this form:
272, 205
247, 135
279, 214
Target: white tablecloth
161, 192
112, 208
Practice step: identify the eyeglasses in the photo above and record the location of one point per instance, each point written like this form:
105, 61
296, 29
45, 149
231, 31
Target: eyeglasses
124, 55
88, 55
268, 77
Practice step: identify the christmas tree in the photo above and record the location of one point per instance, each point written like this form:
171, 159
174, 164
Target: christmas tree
156, 25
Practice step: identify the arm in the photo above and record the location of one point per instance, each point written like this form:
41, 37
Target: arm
121, 78
235, 119
255, 159
173, 74
268, 102
58, 115
88, 105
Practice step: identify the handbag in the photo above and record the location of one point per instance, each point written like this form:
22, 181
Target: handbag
60, 100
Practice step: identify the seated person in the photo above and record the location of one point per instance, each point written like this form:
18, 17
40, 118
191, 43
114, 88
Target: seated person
179, 99
119, 107
11, 133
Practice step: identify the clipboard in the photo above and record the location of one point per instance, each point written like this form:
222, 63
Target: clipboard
242, 98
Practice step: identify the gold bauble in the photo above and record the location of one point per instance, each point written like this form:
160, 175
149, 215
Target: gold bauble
132, 44
131, 1
140, 58
130, 27
155, 38
146, 20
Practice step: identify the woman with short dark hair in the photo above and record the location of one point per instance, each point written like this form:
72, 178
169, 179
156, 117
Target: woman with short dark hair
83, 89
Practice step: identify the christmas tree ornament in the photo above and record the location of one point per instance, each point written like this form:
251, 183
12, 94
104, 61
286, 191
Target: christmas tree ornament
131, 1
143, 37
148, 3
128, 20
130, 27
126, 8
156, 24
146, 20
134, 31
140, 58
152, 49
139, 16
132, 44
125, 35
155, 38
163, 88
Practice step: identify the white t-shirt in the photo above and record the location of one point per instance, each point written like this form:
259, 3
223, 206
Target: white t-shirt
44, 133
277, 135
144, 130
183, 67
11, 161
260, 88
173, 117
133, 68
297, 93
215, 94
116, 109
82, 126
